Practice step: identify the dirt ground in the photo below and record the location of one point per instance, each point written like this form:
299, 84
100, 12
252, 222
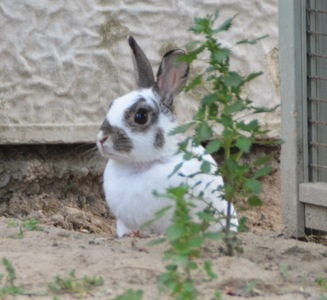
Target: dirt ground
79, 235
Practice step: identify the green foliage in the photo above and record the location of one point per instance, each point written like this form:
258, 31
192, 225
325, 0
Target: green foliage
32, 225
9, 287
284, 271
322, 283
186, 238
223, 106
12, 223
73, 284
28, 225
131, 295
323, 297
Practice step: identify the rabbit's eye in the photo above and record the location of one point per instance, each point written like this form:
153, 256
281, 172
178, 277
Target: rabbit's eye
141, 116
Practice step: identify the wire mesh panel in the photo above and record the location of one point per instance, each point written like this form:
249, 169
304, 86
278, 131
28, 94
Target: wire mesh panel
314, 193
303, 70
317, 88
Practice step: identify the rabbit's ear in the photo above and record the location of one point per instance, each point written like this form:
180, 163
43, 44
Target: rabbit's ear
172, 75
142, 67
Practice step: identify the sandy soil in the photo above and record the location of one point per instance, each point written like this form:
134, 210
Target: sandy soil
272, 266
80, 236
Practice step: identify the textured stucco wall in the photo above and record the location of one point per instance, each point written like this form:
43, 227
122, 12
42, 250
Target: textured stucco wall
62, 62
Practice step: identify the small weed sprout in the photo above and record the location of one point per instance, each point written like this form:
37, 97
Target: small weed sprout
284, 271
130, 295
9, 287
12, 223
74, 285
32, 225
322, 283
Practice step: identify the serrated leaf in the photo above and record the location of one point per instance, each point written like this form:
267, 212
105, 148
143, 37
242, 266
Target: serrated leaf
201, 25
214, 236
187, 156
249, 127
263, 172
254, 201
262, 160
226, 121
252, 76
192, 44
225, 26
161, 212
259, 110
178, 191
244, 144
251, 42
196, 242
156, 242
233, 79
176, 169
254, 186
208, 268
221, 55
213, 146
205, 167
194, 83
130, 295
242, 227
204, 131
236, 107
209, 99
181, 129
175, 231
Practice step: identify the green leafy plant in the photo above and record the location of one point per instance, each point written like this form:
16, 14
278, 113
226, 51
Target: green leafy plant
322, 283
250, 288
32, 225
12, 223
186, 238
323, 297
284, 271
74, 285
223, 105
130, 295
28, 225
9, 287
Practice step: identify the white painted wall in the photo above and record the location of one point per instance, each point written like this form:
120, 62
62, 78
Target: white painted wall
62, 62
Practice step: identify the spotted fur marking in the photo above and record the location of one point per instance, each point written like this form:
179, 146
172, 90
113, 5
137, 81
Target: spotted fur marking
159, 139
152, 113
121, 141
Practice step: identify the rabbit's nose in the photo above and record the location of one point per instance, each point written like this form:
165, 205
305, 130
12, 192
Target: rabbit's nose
103, 139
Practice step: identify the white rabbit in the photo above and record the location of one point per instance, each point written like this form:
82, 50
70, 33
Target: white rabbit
135, 136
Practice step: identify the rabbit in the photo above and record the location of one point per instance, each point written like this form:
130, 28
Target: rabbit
142, 154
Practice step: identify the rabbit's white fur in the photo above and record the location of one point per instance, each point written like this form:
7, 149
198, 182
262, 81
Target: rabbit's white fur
143, 156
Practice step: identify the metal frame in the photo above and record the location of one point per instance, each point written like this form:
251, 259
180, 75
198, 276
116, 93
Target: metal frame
294, 156
304, 203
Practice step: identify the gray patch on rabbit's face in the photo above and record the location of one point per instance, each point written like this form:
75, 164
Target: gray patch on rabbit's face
121, 141
159, 139
151, 112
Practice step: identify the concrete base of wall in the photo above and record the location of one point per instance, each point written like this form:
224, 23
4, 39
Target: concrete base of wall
58, 184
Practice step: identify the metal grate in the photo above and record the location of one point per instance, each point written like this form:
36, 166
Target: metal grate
317, 88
